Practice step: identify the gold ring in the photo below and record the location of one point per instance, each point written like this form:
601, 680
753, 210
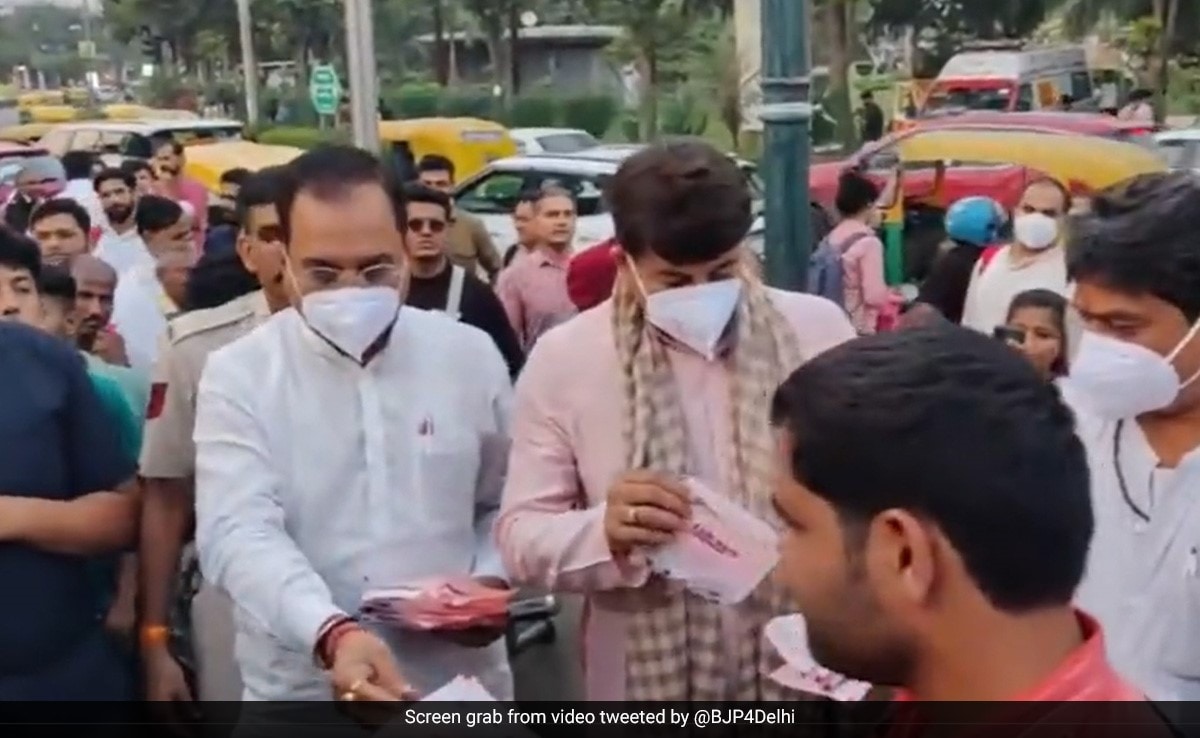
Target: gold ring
631, 517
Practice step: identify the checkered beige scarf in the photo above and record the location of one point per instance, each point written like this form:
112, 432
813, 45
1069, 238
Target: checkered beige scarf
677, 647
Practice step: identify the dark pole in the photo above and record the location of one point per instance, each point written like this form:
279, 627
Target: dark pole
786, 115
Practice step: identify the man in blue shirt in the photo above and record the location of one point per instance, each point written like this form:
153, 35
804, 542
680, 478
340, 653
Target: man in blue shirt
67, 494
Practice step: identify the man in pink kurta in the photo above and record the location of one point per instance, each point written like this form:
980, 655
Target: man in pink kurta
533, 288
568, 448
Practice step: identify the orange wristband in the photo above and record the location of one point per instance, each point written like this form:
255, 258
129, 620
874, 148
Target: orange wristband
329, 642
151, 636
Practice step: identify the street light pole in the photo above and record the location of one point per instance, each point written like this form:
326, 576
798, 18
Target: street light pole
249, 65
786, 116
364, 86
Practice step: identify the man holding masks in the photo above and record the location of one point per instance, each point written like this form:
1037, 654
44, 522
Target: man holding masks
669, 378
389, 470
1135, 262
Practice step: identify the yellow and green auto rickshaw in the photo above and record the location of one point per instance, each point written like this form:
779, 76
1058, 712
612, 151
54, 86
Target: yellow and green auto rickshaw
471, 143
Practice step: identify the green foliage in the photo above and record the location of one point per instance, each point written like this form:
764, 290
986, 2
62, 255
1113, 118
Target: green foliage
414, 101
631, 126
302, 137
469, 104
534, 111
685, 113
592, 113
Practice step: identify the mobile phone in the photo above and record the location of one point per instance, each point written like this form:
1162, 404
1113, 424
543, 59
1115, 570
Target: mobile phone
1010, 335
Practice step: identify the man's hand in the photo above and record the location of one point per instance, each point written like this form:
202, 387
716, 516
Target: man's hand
364, 670
14, 518
122, 614
110, 346
167, 689
644, 509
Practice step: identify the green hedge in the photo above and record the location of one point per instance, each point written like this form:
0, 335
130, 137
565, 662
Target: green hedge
301, 137
538, 108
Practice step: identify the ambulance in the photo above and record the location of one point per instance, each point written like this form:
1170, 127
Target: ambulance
1010, 77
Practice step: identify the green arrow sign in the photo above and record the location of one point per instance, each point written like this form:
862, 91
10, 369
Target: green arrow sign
324, 89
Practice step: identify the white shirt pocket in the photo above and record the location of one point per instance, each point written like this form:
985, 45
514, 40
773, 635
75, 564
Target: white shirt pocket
446, 472
1182, 644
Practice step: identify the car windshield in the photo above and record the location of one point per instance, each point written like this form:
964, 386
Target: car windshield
566, 143
207, 134
1177, 152
497, 192
968, 98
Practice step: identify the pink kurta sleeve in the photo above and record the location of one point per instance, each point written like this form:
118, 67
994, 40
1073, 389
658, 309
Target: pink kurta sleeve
546, 532
870, 262
509, 292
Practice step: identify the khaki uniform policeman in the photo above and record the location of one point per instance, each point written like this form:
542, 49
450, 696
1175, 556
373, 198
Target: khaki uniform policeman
169, 453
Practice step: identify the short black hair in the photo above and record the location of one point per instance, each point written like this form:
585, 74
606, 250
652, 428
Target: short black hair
417, 192
855, 193
958, 429
134, 166
111, 173
326, 172
868, 95
435, 163
57, 283
236, 176
529, 196
1139, 237
259, 189
682, 199
79, 164
157, 142
61, 206
155, 213
1045, 299
217, 279
18, 251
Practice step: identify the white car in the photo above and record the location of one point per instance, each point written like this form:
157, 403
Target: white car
552, 140
492, 193
1181, 148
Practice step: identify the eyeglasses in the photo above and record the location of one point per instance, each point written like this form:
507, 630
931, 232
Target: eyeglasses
420, 225
1048, 212
372, 276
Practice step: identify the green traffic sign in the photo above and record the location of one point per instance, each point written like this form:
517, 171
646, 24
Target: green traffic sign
324, 89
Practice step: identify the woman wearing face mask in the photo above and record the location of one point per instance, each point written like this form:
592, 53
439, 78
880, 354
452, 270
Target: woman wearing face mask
1034, 259
1036, 326
668, 379
1135, 261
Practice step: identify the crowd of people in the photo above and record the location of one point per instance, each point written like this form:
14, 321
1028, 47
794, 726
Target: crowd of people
223, 423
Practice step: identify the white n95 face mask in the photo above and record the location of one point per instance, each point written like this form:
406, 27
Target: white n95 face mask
1035, 231
696, 315
1122, 380
351, 318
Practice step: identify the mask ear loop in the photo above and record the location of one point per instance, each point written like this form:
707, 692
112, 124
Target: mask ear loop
1191, 334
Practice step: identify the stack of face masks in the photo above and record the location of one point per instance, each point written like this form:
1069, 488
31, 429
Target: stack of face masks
460, 689
438, 604
789, 635
724, 553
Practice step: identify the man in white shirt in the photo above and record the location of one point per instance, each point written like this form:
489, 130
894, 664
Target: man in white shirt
119, 244
1034, 260
1135, 262
80, 166
151, 293
349, 444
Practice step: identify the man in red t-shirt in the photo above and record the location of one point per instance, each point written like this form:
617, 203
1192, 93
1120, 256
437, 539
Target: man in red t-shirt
937, 512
